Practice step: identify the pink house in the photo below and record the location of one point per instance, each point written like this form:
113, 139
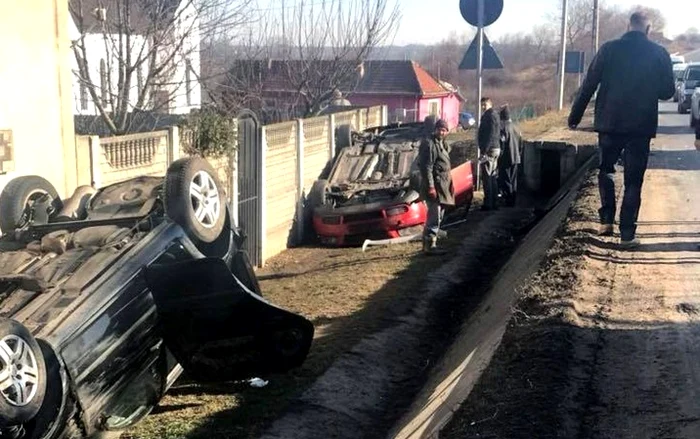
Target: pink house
409, 91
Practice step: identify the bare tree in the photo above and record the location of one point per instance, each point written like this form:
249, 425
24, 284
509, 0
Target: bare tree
135, 55
321, 45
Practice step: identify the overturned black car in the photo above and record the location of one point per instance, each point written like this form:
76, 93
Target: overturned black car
106, 297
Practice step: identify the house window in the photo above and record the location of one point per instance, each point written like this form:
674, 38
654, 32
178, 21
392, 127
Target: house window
188, 81
434, 108
103, 81
161, 101
83, 95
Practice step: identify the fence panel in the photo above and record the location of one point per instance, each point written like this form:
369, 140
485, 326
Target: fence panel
281, 185
316, 149
374, 117
133, 155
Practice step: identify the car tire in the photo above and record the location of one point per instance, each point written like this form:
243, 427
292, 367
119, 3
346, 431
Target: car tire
343, 137
19, 195
194, 199
317, 195
22, 374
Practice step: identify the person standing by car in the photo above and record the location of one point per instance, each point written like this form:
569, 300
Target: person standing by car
508, 162
489, 139
633, 73
437, 188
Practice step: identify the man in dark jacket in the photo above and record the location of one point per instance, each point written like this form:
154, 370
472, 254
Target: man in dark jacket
633, 74
437, 189
508, 162
490, 148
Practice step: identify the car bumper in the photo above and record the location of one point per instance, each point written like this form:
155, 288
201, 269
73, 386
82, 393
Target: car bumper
353, 228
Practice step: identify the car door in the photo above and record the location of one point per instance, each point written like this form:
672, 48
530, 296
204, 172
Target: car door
218, 329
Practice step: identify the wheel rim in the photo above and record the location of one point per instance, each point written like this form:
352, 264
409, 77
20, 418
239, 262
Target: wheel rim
29, 204
205, 199
19, 372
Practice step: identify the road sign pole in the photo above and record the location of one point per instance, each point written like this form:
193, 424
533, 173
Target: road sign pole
596, 26
562, 55
480, 83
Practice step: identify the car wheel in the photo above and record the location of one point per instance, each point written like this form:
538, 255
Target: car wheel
19, 197
317, 194
194, 198
343, 137
22, 374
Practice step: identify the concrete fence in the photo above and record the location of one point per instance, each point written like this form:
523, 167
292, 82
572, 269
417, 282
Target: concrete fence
293, 156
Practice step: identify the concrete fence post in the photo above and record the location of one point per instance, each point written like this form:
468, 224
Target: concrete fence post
385, 115
262, 251
95, 160
300, 182
173, 144
331, 136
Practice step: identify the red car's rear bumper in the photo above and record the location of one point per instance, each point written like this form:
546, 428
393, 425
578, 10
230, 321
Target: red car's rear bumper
338, 228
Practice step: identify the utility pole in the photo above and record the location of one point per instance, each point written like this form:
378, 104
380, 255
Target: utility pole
562, 55
596, 26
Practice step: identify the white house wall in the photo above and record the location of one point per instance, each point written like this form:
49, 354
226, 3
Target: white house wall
191, 50
96, 51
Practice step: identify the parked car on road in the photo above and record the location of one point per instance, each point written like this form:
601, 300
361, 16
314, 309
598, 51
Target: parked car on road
678, 72
691, 79
466, 121
695, 108
107, 296
369, 191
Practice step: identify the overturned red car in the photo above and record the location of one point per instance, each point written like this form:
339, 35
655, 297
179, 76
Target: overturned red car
370, 192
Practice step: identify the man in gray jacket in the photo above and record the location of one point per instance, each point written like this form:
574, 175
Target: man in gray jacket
511, 151
490, 149
437, 189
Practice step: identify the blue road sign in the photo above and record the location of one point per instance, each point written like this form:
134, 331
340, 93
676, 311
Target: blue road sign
470, 11
491, 59
575, 62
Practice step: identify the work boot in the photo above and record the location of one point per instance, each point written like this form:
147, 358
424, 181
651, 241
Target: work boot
629, 245
430, 246
606, 230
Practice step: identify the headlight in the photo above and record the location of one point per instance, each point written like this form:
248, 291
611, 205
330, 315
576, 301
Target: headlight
399, 210
331, 220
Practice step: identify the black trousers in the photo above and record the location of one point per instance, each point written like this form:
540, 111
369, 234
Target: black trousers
635, 152
508, 183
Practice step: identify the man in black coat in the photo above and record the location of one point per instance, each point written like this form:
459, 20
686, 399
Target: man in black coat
508, 162
633, 74
437, 188
490, 148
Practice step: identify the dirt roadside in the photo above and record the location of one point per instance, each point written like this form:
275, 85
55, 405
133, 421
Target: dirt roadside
349, 295
604, 342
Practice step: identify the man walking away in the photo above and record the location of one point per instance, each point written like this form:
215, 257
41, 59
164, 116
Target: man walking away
511, 151
489, 139
633, 74
437, 188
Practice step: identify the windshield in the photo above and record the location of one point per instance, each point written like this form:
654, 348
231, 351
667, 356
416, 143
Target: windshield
694, 75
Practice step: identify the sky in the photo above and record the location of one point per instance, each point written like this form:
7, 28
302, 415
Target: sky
426, 22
